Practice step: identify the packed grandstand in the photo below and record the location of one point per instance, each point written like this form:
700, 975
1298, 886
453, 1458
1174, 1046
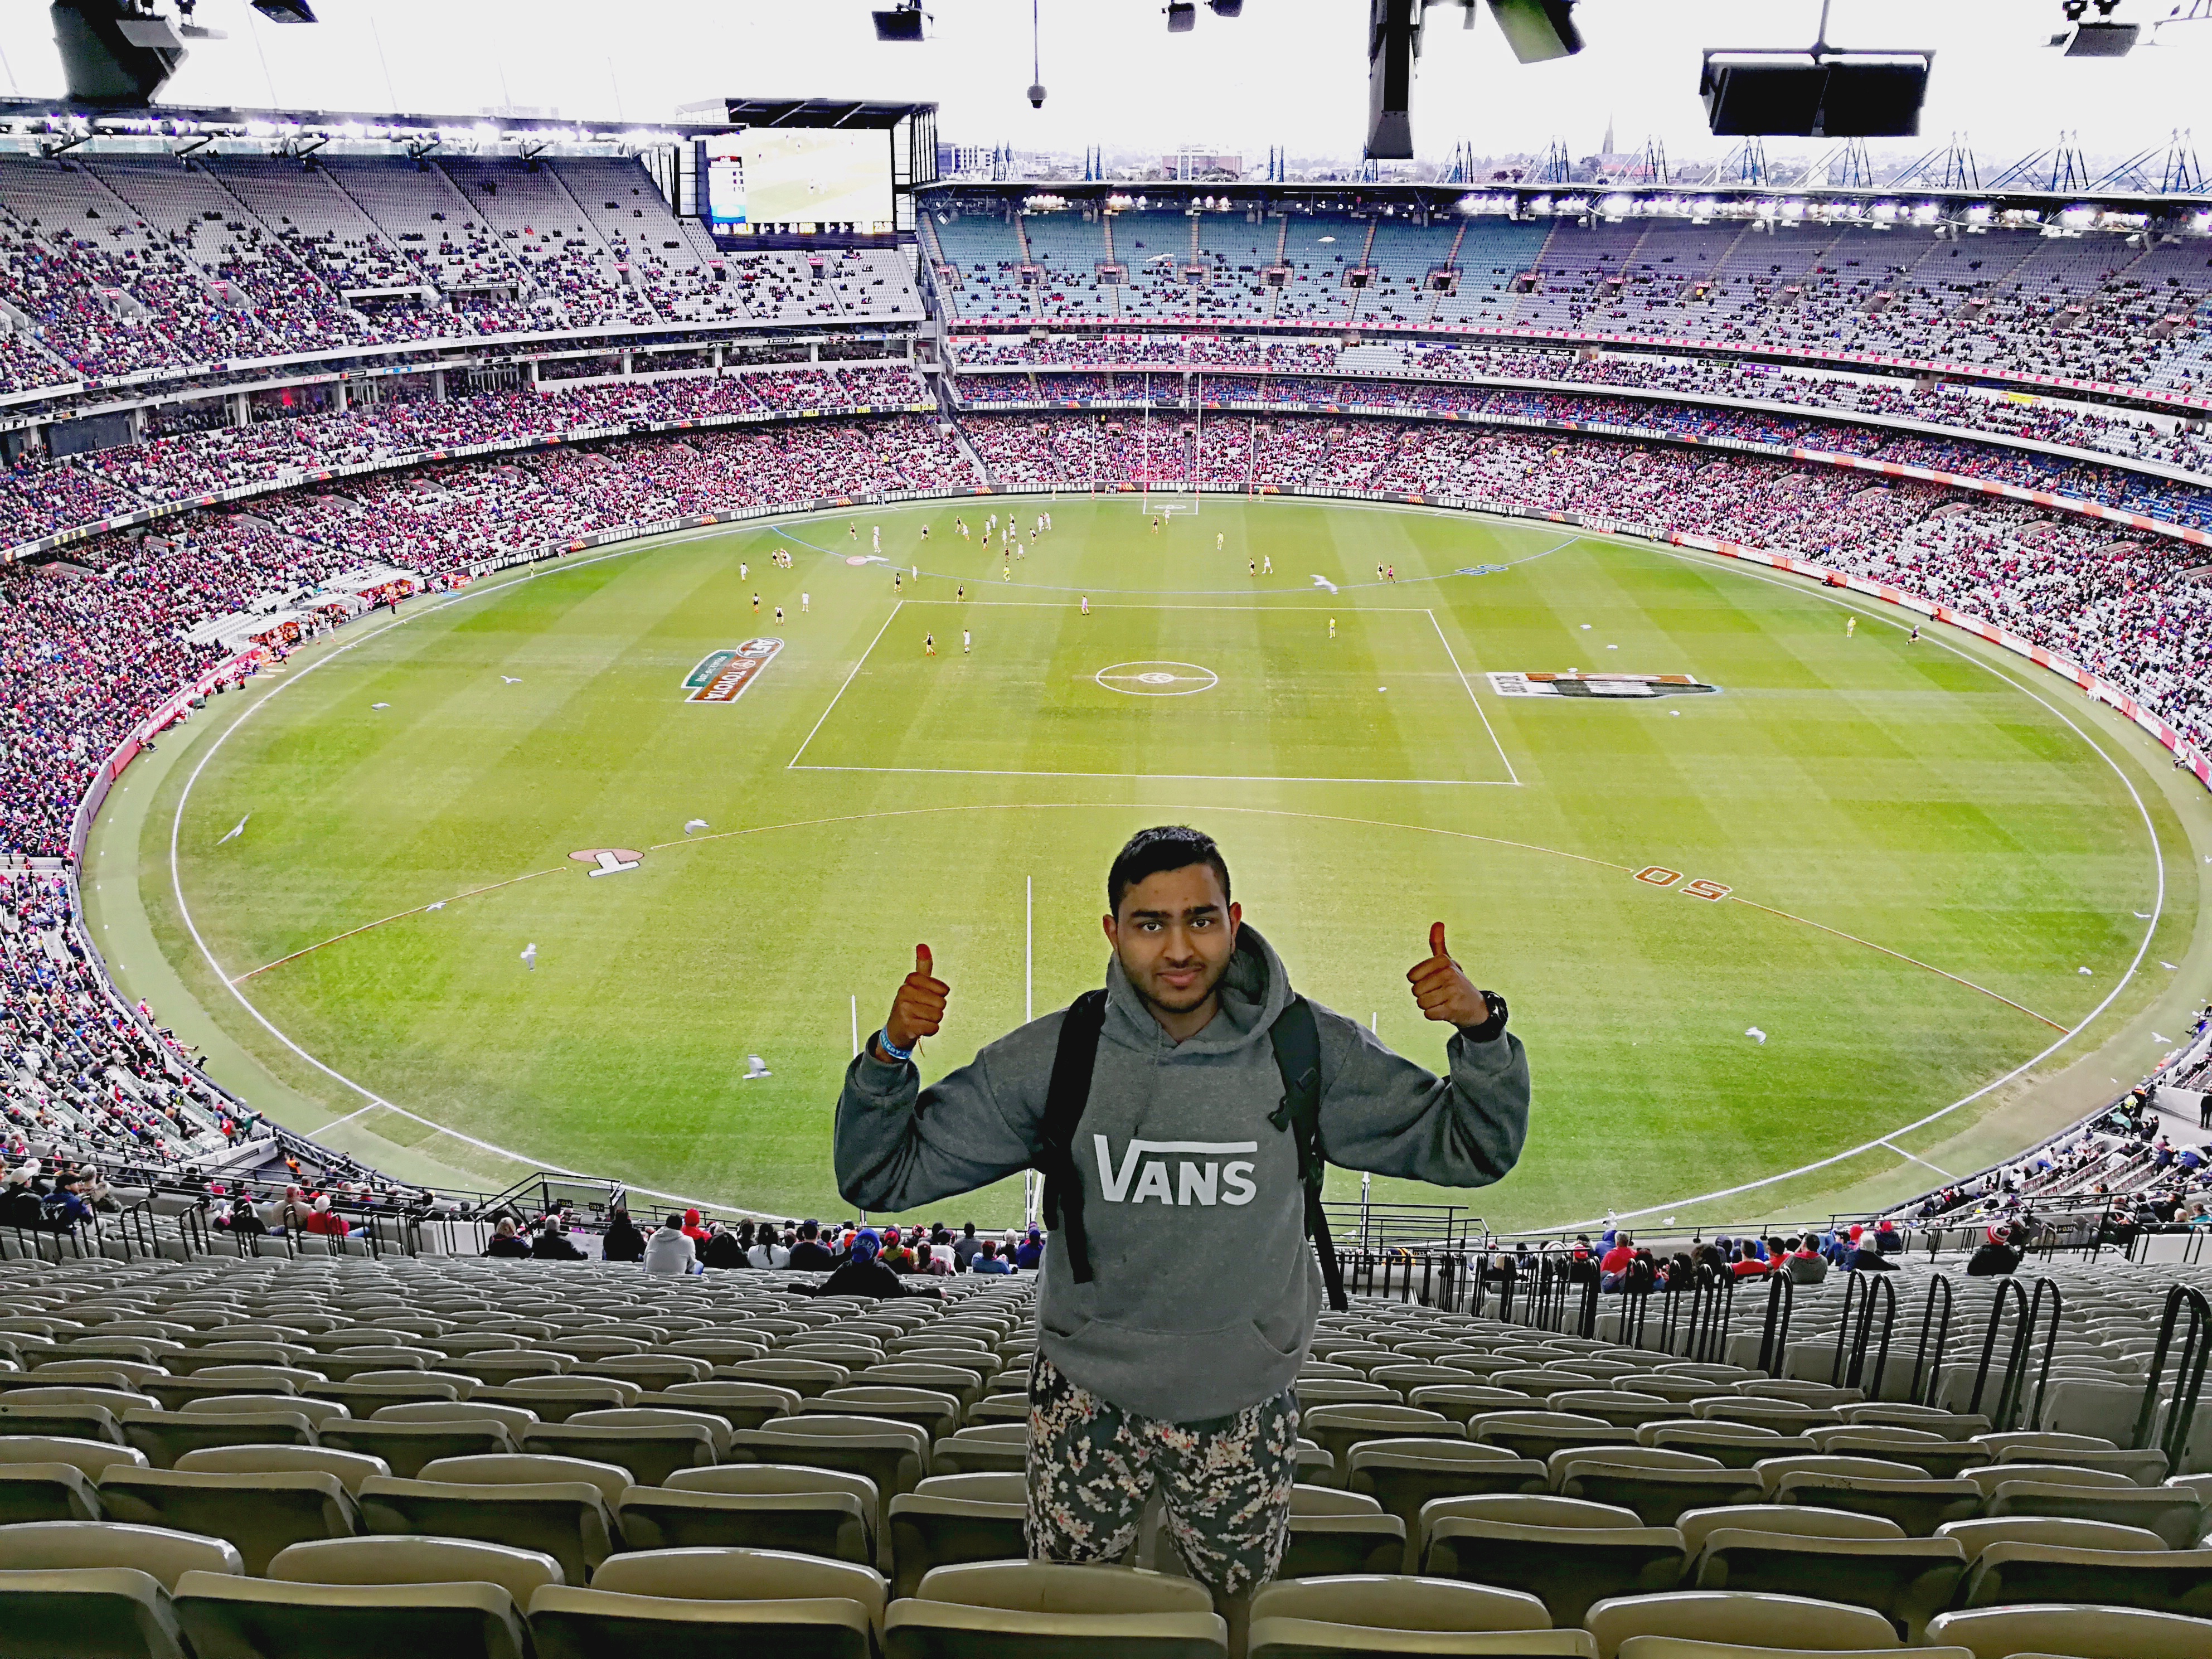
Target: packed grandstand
244, 399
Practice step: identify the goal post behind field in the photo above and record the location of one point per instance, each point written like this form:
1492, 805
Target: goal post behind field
1161, 502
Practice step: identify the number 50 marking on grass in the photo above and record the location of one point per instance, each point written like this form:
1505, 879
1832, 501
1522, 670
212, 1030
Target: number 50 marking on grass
1658, 875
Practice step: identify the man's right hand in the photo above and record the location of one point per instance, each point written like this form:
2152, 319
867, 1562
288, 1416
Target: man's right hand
918, 1010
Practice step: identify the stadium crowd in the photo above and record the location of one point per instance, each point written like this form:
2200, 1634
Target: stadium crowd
2114, 486
112, 267
2134, 434
39, 497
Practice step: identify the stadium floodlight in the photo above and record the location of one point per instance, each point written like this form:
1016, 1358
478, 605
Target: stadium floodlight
1817, 94
284, 11
2097, 36
1227, 8
1393, 40
1183, 16
900, 22
1537, 30
1811, 94
114, 55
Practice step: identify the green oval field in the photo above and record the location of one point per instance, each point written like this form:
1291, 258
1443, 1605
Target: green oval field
1915, 850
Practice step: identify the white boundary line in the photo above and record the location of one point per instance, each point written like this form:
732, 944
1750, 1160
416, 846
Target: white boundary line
897, 605
1164, 777
1472, 698
177, 878
2157, 910
1631, 544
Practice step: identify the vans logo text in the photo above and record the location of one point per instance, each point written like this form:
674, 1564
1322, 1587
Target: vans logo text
1200, 1177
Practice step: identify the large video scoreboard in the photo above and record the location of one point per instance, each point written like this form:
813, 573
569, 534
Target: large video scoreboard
797, 181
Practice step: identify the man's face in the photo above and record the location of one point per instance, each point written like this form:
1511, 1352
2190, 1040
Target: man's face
1175, 933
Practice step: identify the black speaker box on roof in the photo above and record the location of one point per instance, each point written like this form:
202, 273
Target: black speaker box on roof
1836, 95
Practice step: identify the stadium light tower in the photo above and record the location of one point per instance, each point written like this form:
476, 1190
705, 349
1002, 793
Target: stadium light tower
1536, 30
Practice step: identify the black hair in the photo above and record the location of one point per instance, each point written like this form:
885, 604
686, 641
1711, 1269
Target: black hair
1163, 847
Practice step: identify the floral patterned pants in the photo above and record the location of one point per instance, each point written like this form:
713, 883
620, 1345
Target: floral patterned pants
1226, 1482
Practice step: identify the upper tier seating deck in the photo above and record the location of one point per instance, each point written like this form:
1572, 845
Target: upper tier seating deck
329, 233
2076, 307
1068, 253
117, 265
215, 231
547, 234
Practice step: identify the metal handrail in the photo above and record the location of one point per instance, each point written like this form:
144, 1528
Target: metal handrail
2188, 1375
1774, 1334
1925, 1370
1881, 1292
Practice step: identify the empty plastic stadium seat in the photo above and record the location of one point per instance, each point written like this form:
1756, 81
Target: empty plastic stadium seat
260, 1513
2072, 1632
263, 1618
1400, 1614
520, 1573
113, 1613
55, 1546
1567, 1552
1016, 1610
1747, 1620
642, 1607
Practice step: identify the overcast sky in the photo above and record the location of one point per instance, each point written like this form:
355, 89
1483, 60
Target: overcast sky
1290, 72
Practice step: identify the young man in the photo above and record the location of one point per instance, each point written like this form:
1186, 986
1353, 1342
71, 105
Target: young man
805, 603
778, 616
1266, 564
1170, 1354
757, 604
966, 641
929, 645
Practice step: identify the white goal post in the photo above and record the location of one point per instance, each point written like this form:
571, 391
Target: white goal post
1163, 503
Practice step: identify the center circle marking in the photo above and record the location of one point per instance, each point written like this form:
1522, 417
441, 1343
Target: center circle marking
1158, 679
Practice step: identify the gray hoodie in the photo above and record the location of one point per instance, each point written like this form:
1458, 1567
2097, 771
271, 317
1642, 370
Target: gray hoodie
1203, 1291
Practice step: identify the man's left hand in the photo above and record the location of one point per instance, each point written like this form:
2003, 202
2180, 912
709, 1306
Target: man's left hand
1442, 989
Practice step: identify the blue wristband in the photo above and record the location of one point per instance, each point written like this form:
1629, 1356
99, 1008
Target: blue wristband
891, 1049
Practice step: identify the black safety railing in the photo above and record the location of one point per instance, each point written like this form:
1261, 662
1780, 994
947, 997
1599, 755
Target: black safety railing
1935, 1327
1774, 1330
1855, 1336
2188, 1376
2027, 1317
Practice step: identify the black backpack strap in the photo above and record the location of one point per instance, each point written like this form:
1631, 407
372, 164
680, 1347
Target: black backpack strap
1066, 1096
1296, 1037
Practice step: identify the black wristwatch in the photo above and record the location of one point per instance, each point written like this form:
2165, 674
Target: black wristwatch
1493, 1028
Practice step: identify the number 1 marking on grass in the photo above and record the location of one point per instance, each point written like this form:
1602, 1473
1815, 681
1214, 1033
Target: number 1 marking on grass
612, 864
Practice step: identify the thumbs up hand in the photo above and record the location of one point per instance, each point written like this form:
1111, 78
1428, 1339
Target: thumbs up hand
1442, 988
918, 1010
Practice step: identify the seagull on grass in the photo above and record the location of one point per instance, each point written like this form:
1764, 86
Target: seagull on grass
694, 823
237, 829
510, 679
530, 956
1753, 1031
